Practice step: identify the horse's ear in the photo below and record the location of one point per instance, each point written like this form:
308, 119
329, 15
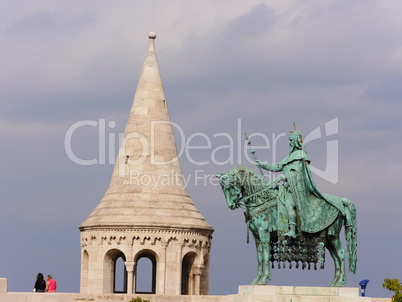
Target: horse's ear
218, 175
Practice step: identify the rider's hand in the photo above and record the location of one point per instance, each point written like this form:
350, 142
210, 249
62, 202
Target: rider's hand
259, 163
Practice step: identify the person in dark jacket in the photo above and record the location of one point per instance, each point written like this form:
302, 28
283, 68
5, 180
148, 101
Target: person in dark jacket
40, 284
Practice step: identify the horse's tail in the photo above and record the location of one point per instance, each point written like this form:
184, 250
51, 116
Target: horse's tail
351, 234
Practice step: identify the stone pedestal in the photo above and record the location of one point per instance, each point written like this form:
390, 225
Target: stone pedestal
270, 293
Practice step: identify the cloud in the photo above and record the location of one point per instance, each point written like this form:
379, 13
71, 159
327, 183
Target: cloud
20, 130
267, 63
45, 25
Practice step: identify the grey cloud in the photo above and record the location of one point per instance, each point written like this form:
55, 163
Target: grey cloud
251, 25
385, 89
48, 25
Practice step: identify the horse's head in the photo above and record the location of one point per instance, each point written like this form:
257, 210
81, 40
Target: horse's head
242, 186
231, 187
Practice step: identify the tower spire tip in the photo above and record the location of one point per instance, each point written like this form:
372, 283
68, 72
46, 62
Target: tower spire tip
152, 35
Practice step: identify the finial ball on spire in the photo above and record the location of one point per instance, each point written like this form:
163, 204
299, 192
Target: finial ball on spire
152, 35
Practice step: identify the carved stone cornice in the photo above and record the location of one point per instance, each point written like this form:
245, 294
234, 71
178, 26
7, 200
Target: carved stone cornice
150, 230
114, 237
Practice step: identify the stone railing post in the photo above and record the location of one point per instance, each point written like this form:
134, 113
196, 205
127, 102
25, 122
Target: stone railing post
3, 285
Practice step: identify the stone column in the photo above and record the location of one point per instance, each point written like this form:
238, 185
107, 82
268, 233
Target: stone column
161, 272
130, 273
197, 281
178, 270
135, 278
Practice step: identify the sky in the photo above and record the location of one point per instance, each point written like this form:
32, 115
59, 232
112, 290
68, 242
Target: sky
333, 67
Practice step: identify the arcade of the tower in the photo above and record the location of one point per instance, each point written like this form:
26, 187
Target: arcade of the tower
180, 260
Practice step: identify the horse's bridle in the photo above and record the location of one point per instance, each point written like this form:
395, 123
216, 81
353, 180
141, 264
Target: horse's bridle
252, 195
240, 202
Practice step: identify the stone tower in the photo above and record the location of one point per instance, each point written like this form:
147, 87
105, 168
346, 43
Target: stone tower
146, 212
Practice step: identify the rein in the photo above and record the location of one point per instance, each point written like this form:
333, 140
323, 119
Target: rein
240, 203
250, 208
252, 195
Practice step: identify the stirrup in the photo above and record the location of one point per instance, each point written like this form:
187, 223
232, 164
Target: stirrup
291, 234
292, 231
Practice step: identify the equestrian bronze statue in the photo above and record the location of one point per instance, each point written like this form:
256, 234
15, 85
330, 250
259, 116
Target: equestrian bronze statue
291, 221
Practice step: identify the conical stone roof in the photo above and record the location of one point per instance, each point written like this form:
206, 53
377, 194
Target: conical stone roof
147, 189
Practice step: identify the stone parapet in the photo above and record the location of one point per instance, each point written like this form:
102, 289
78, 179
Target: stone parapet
268, 293
298, 290
75, 297
247, 293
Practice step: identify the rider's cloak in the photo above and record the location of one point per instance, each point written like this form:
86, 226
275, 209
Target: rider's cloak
315, 211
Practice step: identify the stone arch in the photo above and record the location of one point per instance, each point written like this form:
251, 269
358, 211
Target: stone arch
109, 271
84, 270
153, 257
188, 270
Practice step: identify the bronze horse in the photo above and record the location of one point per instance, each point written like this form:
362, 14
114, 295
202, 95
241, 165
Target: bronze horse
243, 187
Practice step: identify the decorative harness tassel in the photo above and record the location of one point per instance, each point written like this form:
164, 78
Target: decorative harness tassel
248, 229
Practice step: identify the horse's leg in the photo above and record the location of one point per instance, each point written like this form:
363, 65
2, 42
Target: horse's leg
332, 252
258, 246
265, 243
337, 253
340, 255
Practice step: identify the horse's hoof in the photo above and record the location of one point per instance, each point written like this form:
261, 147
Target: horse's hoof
337, 284
263, 281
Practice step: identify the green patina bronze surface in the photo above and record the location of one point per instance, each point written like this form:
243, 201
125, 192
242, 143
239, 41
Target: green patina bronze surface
290, 219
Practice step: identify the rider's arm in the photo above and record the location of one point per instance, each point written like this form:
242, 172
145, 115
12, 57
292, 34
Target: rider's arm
270, 167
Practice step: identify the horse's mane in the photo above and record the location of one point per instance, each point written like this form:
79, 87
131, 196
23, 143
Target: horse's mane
251, 182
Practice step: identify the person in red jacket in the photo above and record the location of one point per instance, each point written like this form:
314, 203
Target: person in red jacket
50, 284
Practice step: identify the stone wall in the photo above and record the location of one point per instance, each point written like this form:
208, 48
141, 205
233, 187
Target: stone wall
246, 293
73, 297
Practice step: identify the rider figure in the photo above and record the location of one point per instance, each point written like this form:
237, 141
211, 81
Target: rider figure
291, 167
